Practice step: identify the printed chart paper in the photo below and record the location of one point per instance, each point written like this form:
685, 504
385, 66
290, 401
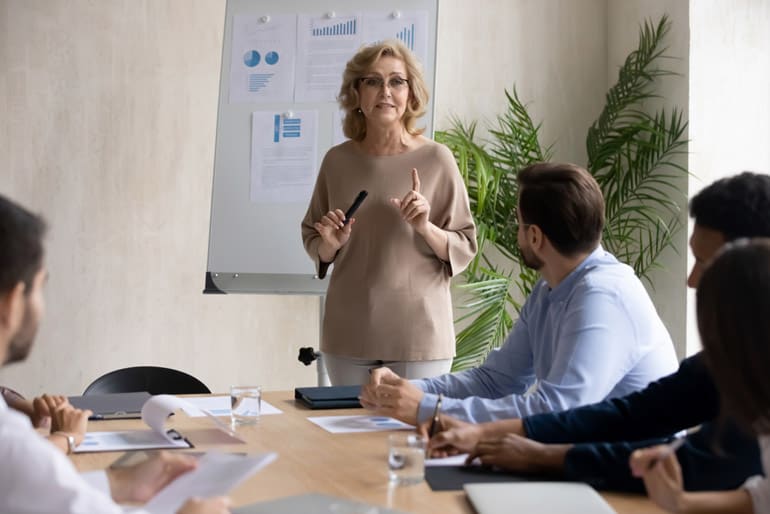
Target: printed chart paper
349, 424
284, 150
263, 58
324, 46
220, 406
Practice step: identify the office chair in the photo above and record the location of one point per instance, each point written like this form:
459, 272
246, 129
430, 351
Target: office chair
153, 379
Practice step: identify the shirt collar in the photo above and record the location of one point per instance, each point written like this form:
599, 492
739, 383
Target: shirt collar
565, 286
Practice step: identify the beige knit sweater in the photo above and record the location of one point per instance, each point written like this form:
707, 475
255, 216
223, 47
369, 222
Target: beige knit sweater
388, 295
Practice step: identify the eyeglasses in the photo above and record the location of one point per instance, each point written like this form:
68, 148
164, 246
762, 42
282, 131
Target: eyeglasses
394, 83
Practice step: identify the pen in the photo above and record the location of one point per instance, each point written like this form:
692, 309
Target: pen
670, 449
353, 208
435, 422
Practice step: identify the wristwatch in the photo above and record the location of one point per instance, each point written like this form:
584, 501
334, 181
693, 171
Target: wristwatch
70, 441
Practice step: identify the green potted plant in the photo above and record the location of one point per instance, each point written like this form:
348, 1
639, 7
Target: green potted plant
631, 153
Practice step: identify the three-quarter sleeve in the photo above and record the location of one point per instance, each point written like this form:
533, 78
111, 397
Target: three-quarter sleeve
318, 206
455, 216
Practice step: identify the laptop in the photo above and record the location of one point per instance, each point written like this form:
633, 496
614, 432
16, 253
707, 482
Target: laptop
112, 406
333, 397
536, 498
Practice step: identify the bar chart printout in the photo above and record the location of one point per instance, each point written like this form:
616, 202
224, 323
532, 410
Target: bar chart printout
324, 46
406, 35
410, 27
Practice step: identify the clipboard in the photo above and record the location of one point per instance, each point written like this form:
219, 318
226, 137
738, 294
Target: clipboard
332, 397
130, 440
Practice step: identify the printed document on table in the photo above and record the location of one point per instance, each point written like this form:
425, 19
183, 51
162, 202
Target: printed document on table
155, 412
262, 58
215, 475
284, 150
324, 46
453, 460
220, 406
348, 424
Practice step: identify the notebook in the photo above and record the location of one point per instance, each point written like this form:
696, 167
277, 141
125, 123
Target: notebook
453, 478
536, 498
112, 406
333, 397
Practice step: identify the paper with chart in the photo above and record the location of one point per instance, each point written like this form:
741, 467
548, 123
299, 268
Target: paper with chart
410, 27
350, 424
324, 45
220, 406
215, 475
262, 58
284, 154
155, 412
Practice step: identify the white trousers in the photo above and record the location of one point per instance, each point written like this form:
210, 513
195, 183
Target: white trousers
345, 371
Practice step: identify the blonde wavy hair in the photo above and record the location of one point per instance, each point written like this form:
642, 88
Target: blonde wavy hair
354, 124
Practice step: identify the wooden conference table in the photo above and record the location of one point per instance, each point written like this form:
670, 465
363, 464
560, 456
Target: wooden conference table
310, 459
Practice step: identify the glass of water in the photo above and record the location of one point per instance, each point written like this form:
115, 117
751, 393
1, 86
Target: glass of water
406, 458
245, 404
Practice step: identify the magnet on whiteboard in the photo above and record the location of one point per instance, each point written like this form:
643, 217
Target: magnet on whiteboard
395, 15
330, 15
288, 114
264, 19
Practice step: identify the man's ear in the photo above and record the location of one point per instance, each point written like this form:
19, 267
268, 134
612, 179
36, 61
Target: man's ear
536, 237
12, 308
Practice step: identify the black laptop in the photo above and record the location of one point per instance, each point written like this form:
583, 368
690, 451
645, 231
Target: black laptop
112, 406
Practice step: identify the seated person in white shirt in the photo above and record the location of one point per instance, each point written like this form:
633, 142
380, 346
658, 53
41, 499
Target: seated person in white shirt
34, 476
733, 302
588, 331
49, 412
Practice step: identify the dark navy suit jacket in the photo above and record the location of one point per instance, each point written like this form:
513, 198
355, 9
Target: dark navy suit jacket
719, 456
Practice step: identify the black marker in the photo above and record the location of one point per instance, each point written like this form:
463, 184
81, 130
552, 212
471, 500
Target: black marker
353, 208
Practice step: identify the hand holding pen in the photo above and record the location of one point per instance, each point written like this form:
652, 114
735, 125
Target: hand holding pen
335, 227
660, 470
435, 422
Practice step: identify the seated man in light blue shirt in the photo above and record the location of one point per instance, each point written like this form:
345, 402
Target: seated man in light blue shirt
588, 331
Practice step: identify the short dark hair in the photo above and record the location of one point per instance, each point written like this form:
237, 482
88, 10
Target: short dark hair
737, 206
565, 201
21, 245
733, 299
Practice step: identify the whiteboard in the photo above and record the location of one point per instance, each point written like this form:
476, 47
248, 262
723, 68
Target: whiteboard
255, 245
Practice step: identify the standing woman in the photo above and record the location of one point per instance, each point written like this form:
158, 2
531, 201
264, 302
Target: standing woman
388, 300
733, 305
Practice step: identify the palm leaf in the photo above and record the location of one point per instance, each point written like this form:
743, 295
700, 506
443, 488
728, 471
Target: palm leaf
491, 321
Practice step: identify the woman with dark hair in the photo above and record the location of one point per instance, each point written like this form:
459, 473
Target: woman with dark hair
733, 307
388, 301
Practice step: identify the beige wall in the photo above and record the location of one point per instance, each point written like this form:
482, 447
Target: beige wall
107, 128
729, 98
109, 114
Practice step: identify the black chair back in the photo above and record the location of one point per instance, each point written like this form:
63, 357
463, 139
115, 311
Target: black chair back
153, 379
